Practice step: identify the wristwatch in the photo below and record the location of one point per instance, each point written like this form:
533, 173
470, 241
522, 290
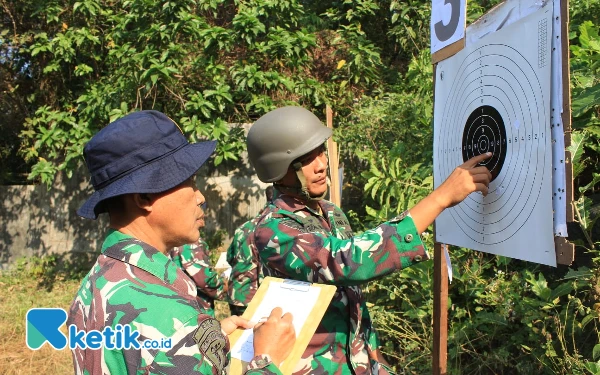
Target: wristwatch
260, 361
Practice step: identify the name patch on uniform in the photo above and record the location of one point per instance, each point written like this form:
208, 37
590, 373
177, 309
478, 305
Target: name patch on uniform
212, 343
341, 222
294, 225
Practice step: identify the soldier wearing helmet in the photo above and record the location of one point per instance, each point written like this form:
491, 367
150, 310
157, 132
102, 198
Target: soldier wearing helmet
302, 236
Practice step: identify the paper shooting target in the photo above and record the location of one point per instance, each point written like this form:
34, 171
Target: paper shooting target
484, 131
494, 96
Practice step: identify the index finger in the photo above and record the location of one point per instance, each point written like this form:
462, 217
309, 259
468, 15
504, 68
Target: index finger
477, 159
276, 313
241, 322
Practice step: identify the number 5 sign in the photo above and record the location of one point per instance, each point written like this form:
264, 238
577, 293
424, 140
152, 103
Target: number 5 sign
447, 23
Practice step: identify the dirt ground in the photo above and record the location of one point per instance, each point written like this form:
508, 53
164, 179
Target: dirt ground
17, 295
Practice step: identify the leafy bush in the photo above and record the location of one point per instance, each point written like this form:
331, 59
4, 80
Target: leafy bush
82, 64
505, 316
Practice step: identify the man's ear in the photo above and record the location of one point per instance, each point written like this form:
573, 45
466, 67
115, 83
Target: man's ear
289, 179
144, 201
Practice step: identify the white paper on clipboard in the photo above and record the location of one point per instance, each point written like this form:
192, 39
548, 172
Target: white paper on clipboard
292, 296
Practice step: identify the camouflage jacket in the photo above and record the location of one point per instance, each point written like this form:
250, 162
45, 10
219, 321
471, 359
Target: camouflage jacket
133, 284
296, 242
193, 259
246, 273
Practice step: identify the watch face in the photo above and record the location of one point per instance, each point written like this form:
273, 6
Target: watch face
262, 362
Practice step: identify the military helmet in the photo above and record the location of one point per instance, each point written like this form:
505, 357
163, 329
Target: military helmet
281, 136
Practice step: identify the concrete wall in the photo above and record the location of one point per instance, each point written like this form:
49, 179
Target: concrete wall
35, 220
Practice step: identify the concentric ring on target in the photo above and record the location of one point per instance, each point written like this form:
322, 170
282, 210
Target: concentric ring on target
484, 132
492, 101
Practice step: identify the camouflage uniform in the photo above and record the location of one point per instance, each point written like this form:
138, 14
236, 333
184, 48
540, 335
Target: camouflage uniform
193, 259
296, 242
246, 273
134, 284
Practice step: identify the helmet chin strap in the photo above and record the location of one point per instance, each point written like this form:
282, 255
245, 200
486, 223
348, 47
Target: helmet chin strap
301, 190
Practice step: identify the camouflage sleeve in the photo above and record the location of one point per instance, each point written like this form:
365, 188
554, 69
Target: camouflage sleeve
243, 281
271, 369
289, 248
195, 349
262, 364
196, 263
190, 342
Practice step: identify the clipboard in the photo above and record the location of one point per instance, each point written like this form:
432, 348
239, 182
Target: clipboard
304, 300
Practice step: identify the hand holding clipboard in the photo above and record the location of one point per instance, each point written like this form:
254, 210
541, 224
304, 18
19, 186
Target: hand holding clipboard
307, 304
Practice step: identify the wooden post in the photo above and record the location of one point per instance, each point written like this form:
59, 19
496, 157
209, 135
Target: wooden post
332, 151
440, 310
565, 250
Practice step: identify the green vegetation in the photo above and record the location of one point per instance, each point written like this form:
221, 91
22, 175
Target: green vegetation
505, 316
33, 282
73, 66
70, 67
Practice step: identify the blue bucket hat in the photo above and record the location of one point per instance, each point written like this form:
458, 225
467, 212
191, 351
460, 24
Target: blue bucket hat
143, 152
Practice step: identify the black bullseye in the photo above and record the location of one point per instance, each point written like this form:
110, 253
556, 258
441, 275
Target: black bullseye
485, 132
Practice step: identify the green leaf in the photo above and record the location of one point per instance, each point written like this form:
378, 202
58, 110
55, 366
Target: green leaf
576, 148
596, 352
590, 186
584, 208
581, 273
376, 187
540, 288
52, 67
561, 290
594, 368
587, 319
371, 212
373, 169
586, 100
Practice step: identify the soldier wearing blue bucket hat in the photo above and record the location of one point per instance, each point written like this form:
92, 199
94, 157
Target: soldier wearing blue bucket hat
143, 172
144, 152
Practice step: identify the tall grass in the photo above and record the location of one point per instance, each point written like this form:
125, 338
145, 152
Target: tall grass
32, 283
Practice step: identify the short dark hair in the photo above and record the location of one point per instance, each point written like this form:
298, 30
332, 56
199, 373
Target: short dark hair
113, 204
269, 193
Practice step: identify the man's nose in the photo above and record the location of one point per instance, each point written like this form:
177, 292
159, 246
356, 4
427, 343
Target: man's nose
200, 201
321, 162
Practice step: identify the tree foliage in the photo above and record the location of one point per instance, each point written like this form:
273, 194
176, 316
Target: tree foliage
79, 65
506, 316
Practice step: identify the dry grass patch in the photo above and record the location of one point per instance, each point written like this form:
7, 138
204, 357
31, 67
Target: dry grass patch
37, 282
21, 290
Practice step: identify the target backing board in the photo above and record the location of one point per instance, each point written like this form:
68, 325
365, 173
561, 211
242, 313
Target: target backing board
494, 96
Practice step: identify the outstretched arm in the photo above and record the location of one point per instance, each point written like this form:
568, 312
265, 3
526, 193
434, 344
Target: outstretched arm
465, 179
